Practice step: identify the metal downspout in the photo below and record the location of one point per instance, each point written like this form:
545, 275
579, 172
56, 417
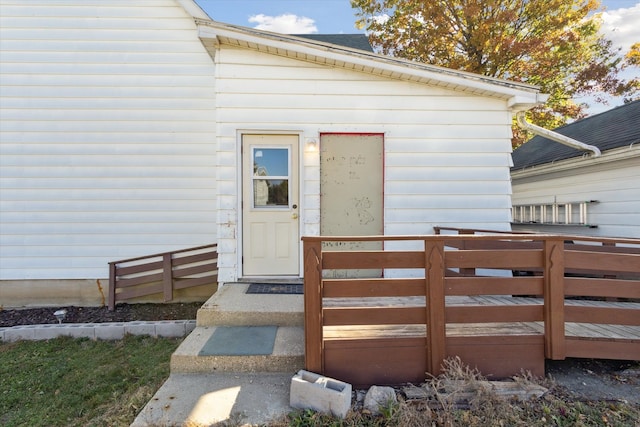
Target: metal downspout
555, 136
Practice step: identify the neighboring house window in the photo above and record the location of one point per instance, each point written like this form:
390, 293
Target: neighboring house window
572, 213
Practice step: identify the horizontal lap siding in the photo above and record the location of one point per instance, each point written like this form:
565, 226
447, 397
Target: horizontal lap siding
447, 153
616, 188
107, 136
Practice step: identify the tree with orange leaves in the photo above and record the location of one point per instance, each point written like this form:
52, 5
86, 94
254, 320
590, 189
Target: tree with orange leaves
554, 44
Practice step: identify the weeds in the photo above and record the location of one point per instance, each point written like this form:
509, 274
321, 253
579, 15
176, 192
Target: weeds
460, 397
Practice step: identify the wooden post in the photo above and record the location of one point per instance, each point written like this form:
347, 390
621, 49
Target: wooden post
167, 277
554, 340
435, 305
463, 247
112, 286
313, 338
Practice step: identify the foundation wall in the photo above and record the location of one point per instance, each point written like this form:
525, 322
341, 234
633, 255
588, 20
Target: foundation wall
80, 293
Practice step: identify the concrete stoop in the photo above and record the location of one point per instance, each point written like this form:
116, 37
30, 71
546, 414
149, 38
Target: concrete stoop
204, 389
287, 355
232, 306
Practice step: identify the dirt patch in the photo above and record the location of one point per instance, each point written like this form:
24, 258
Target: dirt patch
122, 313
597, 379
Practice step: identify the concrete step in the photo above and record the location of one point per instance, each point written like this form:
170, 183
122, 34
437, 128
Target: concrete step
287, 355
232, 306
226, 398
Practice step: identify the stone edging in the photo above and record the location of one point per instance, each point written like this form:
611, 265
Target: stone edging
98, 331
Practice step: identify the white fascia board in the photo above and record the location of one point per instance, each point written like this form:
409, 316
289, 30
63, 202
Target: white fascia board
518, 95
193, 9
519, 103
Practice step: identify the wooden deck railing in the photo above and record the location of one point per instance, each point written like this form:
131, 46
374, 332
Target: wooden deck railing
162, 273
448, 295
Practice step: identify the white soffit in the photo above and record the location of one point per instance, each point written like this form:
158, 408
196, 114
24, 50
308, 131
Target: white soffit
519, 95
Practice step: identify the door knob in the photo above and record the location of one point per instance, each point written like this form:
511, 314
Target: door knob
294, 216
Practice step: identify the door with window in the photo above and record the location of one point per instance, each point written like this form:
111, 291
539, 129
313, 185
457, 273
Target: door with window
270, 230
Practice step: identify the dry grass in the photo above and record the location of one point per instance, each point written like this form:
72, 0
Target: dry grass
460, 397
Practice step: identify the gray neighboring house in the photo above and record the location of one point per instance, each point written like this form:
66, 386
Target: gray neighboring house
557, 188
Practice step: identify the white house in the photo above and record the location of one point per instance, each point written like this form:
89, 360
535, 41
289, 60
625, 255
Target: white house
561, 189
132, 127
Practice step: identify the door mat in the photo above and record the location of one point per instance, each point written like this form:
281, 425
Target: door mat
274, 288
240, 341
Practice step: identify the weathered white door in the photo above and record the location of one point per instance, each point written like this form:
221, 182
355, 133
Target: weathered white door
351, 193
270, 231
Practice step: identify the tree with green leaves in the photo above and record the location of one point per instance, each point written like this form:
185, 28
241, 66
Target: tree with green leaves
554, 44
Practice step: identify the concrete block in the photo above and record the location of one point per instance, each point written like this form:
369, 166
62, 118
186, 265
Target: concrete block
75, 330
79, 330
320, 393
19, 333
170, 329
140, 328
109, 331
189, 327
47, 332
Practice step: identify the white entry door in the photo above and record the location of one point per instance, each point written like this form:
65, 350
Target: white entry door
270, 211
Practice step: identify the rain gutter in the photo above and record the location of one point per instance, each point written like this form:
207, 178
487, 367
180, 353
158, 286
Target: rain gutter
555, 136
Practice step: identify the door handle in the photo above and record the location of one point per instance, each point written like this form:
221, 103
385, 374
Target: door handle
294, 216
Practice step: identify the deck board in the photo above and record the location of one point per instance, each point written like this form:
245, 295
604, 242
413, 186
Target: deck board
574, 330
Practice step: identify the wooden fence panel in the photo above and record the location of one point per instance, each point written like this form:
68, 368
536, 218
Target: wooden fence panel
595, 287
376, 288
599, 261
393, 329
603, 315
371, 260
495, 314
507, 259
374, 316
162, 274
494, 285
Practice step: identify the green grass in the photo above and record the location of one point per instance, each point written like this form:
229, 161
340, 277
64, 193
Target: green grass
79, 382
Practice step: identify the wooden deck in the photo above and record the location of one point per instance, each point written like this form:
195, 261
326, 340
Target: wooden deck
390, 330
604, 332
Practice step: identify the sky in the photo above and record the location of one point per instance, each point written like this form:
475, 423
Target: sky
621, 20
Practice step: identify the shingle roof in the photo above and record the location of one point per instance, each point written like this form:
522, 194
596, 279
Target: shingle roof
355, 41
615, 128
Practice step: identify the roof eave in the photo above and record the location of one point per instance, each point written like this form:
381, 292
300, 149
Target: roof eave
518, 95
577, 162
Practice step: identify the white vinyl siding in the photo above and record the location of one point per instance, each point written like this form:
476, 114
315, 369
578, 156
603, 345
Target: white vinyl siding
616, 187
447, 153
107, 135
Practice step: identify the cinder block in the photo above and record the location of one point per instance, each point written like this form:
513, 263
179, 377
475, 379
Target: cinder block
47, 332
170, 329
109, 331
18, 333
189, 327
79, 330
322, 394
140, 328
